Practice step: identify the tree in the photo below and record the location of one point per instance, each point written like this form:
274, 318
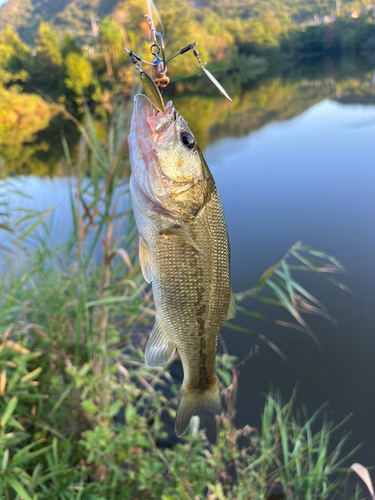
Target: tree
22, 116
48, 45
13, 57
112, 43
110, 35
47, 65
69, 45
79, 74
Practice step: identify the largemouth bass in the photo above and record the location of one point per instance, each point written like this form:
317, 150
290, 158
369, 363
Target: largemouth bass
183, 251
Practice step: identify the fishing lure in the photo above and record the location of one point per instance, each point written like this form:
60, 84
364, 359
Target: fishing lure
159, 78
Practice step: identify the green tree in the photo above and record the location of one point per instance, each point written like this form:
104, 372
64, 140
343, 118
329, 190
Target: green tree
69, 45
22, 116
47, 66
112, 44
79, 74
110, 35
48, 45
13, 57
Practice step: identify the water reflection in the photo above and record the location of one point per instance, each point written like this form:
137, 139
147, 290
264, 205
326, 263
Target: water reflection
32, 143
272, 100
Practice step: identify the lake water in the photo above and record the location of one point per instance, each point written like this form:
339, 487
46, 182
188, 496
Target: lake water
309, 178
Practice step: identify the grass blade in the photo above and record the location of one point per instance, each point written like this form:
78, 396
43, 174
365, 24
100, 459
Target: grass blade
8, 412
17, 487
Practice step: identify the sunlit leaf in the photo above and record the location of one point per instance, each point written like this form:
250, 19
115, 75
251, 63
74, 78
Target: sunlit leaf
8, 412
364, 474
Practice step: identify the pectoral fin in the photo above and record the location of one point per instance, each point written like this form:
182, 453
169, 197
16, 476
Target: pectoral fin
145, 261
159, 349
185, 236
232, 307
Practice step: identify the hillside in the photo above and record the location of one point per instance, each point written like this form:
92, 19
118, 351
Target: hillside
25, 15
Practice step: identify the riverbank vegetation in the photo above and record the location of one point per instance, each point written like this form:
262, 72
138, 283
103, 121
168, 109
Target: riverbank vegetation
250, 48
82, 417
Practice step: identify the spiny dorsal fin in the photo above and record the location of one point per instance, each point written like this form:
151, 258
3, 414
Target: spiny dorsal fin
145, 261
232, 307
185, 236
159, 349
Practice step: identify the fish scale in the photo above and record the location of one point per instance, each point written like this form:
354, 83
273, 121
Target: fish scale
185, 281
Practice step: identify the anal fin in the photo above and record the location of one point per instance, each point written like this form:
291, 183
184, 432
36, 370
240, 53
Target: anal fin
231, 314
159, 349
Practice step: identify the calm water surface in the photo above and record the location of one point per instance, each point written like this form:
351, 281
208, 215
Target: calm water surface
311, 178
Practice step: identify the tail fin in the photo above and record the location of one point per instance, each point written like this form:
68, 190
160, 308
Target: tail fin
193, 400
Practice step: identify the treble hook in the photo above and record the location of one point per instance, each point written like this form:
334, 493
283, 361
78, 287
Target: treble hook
159, 63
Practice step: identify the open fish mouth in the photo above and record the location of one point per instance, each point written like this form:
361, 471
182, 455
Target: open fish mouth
148, 132
164, 169
140, 140
142, 111
147, 123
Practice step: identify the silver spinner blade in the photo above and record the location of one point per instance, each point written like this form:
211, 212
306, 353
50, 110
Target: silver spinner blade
216, 83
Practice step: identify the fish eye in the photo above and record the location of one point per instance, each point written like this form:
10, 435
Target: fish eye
187, 140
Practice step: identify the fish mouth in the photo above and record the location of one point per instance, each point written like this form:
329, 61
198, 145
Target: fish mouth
143, 143
148, 124
151, 131
140, 139
142, 111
